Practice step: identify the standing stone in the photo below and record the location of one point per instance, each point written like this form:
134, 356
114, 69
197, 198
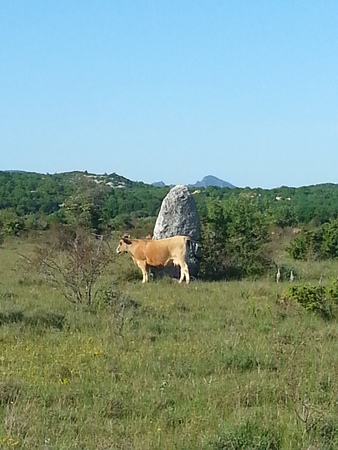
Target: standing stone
178, 216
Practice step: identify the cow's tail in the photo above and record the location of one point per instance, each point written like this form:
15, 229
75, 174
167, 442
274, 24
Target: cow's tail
188, 244
194, 248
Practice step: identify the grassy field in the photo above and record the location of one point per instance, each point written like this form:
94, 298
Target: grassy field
226, 365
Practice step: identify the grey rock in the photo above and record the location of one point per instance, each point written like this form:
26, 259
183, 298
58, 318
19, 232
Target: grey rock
179, 216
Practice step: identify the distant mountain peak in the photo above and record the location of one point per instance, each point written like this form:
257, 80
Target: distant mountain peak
158, 184
208, 180
211, 180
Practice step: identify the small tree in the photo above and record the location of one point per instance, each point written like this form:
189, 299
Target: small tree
84, 207
329, 247
73, 260
284, 215
234, 234
216, 261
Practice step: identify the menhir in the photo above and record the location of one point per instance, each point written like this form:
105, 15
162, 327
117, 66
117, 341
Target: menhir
178, 216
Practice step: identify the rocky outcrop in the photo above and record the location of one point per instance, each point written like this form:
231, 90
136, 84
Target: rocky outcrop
178, 216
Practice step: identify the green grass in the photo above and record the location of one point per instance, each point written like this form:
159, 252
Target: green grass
211, 366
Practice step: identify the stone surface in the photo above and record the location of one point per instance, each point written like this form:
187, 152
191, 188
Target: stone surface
178, 216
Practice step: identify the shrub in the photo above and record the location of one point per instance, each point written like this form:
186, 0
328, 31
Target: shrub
73, 260
318, 299
318, 244
11, 223
329, 244
234, 234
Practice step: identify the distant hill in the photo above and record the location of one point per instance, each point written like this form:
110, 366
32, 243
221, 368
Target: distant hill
17, 171
158, 184
118, 181
112, 180
209, 180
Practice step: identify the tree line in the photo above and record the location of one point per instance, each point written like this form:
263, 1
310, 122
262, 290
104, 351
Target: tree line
236, 223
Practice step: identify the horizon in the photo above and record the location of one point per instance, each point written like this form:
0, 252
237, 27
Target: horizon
243, 90
160, 181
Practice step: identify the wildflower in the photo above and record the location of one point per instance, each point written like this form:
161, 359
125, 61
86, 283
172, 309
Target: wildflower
158, 429
96, 351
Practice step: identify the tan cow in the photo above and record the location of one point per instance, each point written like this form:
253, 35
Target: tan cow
162, 252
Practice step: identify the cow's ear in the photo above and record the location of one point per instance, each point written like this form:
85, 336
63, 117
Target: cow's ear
126, 239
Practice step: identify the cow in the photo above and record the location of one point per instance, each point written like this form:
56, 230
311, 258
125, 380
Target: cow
162, 252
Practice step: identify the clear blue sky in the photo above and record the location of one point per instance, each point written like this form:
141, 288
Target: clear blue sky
171, 90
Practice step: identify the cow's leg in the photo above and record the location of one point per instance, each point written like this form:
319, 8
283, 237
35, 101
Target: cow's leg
184, 273
143, 266
145, 274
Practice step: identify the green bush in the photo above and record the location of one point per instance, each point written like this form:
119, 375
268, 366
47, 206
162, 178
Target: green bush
234, 237
329, 244
332, 292
11, 223
318, 244
318, 299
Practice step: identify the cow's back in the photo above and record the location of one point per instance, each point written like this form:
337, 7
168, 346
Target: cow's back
163, 251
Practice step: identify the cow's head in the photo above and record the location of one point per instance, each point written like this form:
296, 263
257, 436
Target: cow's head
123, 244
